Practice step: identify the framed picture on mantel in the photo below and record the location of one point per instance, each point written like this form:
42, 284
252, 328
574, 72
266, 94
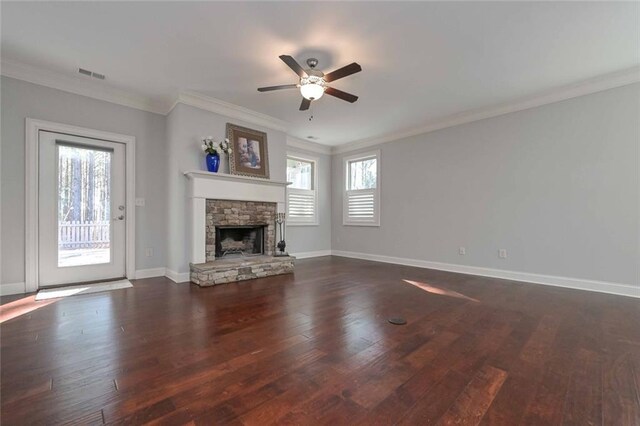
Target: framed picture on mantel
249, 156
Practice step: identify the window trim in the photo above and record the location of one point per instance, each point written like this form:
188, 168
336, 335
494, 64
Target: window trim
297, 221
345, 189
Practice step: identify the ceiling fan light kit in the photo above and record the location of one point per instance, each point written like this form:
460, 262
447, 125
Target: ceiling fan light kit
312, 87
313, 83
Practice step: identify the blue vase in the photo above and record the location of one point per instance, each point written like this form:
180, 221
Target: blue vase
213, 162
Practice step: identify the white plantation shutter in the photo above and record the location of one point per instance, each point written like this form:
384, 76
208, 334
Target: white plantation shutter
361, 205
302, 195
301, 206
362, 190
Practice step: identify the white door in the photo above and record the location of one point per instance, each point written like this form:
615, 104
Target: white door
82, 211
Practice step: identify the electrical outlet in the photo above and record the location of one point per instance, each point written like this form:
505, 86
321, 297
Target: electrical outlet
462, 251
140, 202
149, 252
502, 253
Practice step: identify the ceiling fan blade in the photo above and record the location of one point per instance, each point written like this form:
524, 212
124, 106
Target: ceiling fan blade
352, 68
282, 86
305, 104
340, 94
293, 65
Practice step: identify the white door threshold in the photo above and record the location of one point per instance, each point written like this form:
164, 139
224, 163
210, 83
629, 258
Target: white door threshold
54, 293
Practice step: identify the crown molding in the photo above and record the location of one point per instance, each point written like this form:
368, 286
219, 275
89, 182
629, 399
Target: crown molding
101, 91
80, 86
229, 110
295, 143
585, 87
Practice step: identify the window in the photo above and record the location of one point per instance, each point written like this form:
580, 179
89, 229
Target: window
362, 190
302, 196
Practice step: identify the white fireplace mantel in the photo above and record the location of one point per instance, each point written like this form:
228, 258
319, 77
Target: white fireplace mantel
205, 186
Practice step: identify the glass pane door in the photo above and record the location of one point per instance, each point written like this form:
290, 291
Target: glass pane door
82, 214
84, 194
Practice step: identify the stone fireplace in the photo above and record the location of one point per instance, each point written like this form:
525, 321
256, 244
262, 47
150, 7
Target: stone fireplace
239, 223
233, 232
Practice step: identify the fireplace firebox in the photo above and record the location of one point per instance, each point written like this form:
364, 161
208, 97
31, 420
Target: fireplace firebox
240, 240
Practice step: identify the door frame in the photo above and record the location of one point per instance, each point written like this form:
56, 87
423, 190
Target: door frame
32, 167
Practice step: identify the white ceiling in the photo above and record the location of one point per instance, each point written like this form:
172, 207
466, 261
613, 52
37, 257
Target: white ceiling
421, 61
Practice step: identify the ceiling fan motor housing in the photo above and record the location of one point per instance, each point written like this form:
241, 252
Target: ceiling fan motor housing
314, 73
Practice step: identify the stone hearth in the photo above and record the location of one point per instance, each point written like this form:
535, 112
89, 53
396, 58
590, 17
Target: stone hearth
228, 270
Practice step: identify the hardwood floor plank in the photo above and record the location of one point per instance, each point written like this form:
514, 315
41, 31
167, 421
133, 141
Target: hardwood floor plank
11, 395
316, 378
583, 403
397, 370
538, 345
201, 379
316, 348
244, 395
90, 419
475, 399
148, 413
547, 403
524, 374
434, 404
621, 400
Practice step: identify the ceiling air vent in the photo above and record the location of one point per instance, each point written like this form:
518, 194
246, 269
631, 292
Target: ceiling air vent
91, 74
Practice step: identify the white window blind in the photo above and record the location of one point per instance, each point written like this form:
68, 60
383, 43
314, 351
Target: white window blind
362, 190
301, 193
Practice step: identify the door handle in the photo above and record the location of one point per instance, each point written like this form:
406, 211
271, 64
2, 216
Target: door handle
121, 217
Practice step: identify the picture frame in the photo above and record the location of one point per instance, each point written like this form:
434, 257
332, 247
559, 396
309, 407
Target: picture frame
250, 155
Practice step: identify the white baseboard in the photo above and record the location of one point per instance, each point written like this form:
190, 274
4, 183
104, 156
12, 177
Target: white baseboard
574, 283
8, 289
150, 273
310, 254
177, 277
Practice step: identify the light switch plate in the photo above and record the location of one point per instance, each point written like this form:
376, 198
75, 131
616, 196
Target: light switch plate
139, 202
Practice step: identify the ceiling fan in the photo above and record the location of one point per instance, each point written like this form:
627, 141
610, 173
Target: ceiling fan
313, 83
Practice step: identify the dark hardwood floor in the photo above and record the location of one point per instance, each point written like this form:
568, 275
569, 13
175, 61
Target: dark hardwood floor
316, 348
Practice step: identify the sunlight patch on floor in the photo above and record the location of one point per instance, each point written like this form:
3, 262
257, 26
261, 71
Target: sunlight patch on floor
441, 291
20, 307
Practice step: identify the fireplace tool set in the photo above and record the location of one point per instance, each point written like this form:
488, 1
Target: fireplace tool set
281, 245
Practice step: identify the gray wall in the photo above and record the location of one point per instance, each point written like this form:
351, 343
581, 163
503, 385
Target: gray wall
165, 148
557, 186
304, 238
20, 100
185, 126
